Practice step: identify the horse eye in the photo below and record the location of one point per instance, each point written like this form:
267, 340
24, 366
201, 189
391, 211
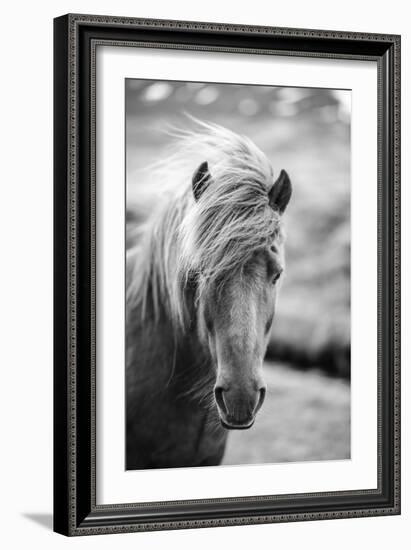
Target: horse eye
276, 277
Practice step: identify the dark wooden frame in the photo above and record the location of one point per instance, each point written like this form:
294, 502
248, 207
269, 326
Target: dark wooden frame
75, 40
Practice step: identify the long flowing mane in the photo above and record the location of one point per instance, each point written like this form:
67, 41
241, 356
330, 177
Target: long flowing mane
212, 236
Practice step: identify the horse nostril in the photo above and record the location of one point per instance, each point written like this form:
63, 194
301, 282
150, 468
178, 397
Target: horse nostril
218, 392
261, 398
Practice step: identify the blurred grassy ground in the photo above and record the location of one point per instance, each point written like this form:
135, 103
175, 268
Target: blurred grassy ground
306, 416
306, 132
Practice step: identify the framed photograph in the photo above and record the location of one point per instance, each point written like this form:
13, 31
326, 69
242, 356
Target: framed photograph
227, 277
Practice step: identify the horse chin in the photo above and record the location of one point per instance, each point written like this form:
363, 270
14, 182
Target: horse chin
236, 426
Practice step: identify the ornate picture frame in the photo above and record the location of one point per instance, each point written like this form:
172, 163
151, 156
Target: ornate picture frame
76, 39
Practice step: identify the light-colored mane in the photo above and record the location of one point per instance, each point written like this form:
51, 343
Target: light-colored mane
204, 240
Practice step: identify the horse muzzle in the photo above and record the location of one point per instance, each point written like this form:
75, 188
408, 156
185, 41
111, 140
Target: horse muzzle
237, 407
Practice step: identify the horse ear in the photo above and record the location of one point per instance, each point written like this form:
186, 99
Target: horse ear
201, 180
280, 193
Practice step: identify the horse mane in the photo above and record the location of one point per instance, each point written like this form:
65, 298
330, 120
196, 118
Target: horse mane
208, 239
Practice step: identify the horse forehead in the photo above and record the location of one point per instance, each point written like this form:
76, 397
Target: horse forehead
243, 286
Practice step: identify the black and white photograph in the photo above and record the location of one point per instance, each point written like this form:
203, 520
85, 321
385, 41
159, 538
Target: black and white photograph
237, 300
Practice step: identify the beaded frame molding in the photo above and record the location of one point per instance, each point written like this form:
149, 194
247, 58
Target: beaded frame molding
76, 38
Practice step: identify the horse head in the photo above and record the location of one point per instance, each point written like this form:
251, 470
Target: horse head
241, 260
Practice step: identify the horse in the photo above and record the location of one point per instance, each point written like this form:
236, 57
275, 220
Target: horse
201, 286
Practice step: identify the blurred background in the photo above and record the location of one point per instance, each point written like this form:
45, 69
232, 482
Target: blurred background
306, 131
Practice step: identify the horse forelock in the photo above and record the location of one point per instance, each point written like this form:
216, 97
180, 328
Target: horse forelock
211, 237
233, 218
